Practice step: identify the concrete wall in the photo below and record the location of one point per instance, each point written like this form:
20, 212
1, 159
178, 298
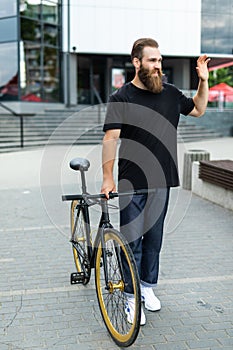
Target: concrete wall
107, 26
213, 193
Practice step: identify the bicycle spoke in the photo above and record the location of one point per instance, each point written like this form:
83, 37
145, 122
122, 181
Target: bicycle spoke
112, 298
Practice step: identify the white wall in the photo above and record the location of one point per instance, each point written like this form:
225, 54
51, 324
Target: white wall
110, 26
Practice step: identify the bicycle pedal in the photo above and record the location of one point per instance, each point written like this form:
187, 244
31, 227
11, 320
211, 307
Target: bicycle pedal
77, 277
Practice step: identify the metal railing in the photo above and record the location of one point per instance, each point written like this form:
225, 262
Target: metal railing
20, 116
217, 99
100, 103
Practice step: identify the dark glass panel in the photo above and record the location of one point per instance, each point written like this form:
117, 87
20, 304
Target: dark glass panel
217, 28
223, 5
30, 30
50, 11
50, 35
208, 6
208, 28
84, 88
51, 74
30, 9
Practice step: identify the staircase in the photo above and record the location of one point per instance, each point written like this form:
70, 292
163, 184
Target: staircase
55, 127
189, 132
67, 126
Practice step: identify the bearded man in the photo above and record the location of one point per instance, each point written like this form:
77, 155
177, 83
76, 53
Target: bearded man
144, 114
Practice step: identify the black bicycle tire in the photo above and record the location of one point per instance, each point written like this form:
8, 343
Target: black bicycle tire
76, 257
128, 338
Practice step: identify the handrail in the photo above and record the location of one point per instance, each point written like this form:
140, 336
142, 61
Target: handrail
97, 95
20, 115
9, 109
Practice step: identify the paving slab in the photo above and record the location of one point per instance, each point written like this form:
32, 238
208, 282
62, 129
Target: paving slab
39, 309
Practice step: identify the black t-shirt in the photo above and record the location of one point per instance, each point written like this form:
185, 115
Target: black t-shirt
148, 123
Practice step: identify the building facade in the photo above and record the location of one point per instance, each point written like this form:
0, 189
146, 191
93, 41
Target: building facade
78, 51
30, 50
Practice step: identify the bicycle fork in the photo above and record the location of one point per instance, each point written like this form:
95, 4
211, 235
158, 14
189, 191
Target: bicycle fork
105, 223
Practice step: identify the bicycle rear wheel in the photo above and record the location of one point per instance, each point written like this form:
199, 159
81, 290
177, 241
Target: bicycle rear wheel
111, 297
79, 241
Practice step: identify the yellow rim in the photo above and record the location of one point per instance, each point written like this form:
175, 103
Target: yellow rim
119, 336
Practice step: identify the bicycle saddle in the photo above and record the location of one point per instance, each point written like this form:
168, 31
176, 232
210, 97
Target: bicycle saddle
79, 164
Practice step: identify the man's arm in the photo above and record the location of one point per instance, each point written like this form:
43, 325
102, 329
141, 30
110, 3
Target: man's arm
108, 158
201, 97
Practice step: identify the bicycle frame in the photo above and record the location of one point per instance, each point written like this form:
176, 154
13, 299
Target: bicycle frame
84, 206
104, 220
103, 224
106, 251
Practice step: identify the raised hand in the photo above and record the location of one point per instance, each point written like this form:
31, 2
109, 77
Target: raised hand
202, 67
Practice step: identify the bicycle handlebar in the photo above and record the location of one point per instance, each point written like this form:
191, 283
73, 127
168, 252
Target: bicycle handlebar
71, 197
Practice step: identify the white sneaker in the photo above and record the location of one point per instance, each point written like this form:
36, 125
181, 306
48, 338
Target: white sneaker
129, 310
152, 303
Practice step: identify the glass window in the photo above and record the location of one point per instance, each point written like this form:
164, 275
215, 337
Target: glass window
222, 5
50, 35
49, 11
216, 6
40, 45
41, 73
84, 66
32, 58
51, 74
217, 28
217, 33
8, 71
8, 8
208, 28
8, 29
30, 8
30, 30
118, 78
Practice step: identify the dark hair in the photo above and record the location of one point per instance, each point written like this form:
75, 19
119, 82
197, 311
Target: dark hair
138, 46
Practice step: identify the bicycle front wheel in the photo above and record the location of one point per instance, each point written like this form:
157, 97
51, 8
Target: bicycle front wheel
79, 241
110, 287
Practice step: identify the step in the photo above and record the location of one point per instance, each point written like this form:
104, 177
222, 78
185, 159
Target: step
16, 145
199, 132
196, 138
61, 127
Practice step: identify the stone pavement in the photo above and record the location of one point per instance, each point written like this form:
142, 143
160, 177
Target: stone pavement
39, 309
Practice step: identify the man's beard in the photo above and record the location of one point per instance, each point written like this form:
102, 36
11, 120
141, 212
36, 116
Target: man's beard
152, 83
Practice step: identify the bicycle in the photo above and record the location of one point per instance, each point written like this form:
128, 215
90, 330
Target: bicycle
105, 256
